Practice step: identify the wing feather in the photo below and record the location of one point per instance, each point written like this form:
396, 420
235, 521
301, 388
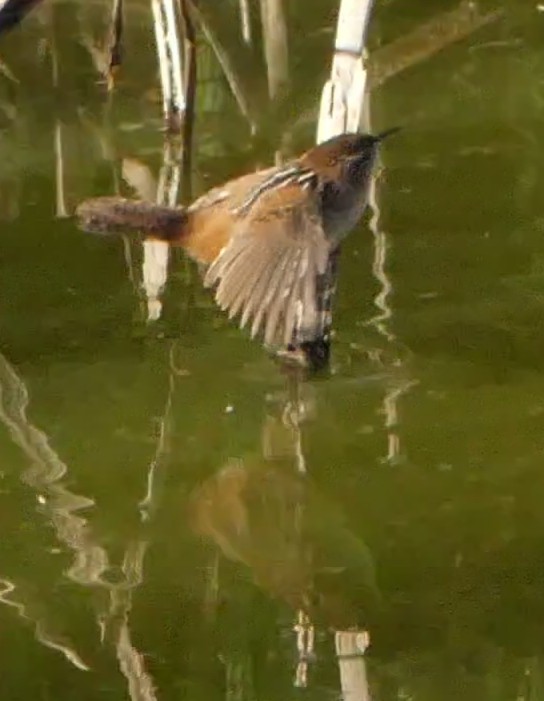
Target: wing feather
267, 274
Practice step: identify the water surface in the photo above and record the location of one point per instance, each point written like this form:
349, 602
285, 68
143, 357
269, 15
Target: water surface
158, 538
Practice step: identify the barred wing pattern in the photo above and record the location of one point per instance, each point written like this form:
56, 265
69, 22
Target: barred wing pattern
269, 272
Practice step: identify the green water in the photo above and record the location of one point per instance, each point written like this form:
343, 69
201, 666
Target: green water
158, 539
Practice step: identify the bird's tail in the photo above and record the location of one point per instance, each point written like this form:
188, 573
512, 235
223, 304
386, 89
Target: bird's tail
113, 215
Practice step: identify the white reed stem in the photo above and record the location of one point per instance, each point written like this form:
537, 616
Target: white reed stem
350, 650
245, 21
166, 27
343, 94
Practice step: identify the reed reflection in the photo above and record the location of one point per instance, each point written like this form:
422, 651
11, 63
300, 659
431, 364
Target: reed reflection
92, 567
262, 510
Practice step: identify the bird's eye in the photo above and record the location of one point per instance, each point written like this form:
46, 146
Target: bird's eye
355, 164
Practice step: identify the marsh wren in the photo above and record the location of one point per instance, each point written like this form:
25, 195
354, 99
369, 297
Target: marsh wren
266, 239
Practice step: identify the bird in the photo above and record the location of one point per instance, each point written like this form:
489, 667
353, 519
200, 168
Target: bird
268, 241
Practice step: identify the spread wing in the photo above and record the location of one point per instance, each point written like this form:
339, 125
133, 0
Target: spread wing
269, 272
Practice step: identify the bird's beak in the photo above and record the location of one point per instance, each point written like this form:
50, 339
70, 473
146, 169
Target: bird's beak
384, 134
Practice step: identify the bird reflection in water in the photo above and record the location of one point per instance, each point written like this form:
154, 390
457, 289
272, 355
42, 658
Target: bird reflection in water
262, 512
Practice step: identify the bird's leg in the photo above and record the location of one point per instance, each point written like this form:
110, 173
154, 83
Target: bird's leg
317, 351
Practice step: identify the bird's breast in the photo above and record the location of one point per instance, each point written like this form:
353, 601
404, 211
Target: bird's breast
342, 208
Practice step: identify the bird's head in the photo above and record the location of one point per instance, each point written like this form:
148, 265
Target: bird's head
353, 154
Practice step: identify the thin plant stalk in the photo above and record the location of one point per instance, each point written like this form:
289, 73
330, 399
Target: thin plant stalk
190, 95
275, 45
61, 208
166, 25
156, 257
238, 80
179, 113
343, 94
170, 174
116, 39
106, 53
175, 55
245, 21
